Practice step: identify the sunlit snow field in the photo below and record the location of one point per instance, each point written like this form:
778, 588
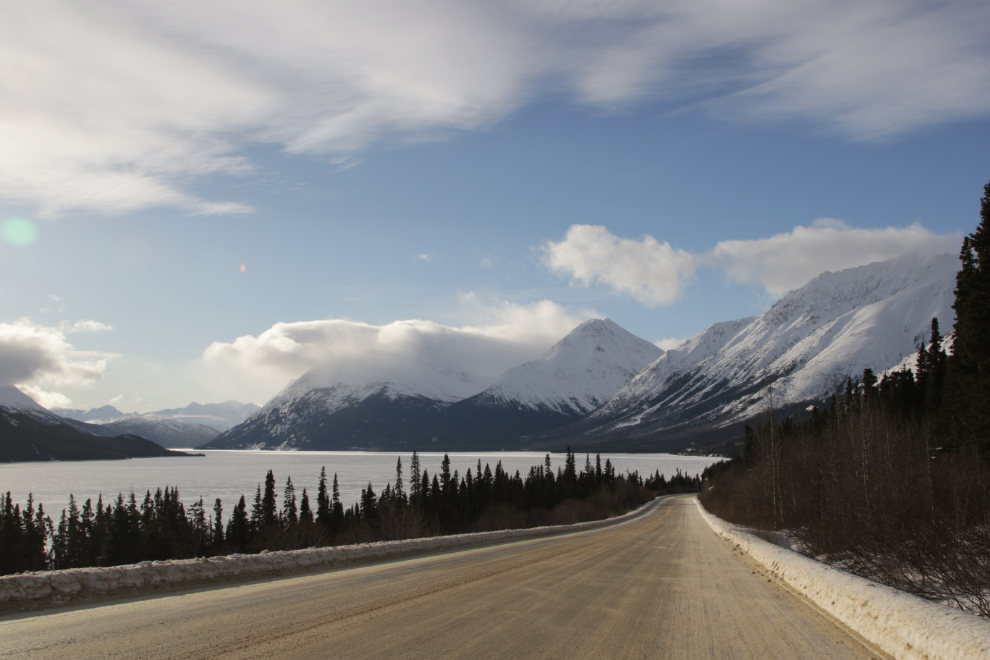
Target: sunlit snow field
228, 474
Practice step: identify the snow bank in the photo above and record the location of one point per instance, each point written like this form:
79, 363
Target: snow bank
901, 624
46, 588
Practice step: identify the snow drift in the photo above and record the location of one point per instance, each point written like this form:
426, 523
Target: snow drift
901, 624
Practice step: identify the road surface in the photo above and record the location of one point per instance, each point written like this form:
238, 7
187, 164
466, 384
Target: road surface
660, 586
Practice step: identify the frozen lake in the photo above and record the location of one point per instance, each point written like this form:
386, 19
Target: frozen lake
228, 474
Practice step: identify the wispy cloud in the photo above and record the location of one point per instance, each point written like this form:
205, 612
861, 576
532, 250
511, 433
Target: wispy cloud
654, 273
146, 98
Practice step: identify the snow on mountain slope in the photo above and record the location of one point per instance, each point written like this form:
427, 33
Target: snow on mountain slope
806, 344
220, 416
13, 400
101, 414
340, 403
166, 432
577, 374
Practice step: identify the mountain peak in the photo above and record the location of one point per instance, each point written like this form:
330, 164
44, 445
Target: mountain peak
578, 373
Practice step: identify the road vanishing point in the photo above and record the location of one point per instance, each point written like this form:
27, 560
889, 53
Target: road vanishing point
661, 585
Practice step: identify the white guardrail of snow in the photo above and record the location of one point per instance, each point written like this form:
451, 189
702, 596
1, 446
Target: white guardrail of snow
26, 591
903, 625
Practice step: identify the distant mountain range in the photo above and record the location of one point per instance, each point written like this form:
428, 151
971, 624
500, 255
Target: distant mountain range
177, 427
191, 426
599, 387
29, 432
603, 387
422, 406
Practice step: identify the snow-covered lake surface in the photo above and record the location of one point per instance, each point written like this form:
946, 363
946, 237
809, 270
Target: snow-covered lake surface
228, 474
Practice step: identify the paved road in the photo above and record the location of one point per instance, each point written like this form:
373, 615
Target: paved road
660, 586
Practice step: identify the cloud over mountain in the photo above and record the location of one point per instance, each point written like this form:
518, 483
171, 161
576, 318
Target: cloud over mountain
654, 273
31, 352
501, 336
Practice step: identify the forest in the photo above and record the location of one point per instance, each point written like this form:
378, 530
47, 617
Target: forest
161, 527
891, 478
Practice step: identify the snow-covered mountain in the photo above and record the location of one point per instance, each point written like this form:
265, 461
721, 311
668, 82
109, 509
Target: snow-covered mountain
101, 414
806, 345
219, 416
32, 432
171, 433
191, 426
330, 408
431, 402
577, 374
14, 401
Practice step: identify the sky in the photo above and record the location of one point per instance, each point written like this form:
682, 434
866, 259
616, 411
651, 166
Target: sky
199, 201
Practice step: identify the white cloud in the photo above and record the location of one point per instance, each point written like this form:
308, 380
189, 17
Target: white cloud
45, 398
787, 261
652, 272
120, 106
669, 343
502, 335
115, 400
85, 326
32, 354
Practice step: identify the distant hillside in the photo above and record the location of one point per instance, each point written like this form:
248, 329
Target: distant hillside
23, 438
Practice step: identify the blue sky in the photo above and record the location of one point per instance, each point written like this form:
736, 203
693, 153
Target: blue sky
504, 170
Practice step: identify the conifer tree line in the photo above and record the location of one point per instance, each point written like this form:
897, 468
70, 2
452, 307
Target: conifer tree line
415, 504
891, 478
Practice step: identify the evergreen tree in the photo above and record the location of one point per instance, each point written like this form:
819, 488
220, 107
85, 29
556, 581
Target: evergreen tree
257, 511
289, 511
399, 493
336, 507
269, 514
369, 505
415, 487
239, 528
969, 366
218, 523
305, 512
323, 500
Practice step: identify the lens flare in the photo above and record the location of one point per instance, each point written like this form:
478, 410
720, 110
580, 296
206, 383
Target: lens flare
19, 231
243, 268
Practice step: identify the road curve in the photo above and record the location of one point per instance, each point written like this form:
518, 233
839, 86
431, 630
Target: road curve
662, 585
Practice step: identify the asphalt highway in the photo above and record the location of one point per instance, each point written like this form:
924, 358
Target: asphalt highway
662, 585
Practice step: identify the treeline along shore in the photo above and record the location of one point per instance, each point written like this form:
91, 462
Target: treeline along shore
891, 479
127, 531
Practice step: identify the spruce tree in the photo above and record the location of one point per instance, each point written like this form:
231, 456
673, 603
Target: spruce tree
218, 523
336, 507
289, 511
323, 500
415, 487
969, 366
269, 514
305, 513
399, 493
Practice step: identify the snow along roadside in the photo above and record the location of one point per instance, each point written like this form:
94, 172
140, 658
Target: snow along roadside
901, 624
55, 588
